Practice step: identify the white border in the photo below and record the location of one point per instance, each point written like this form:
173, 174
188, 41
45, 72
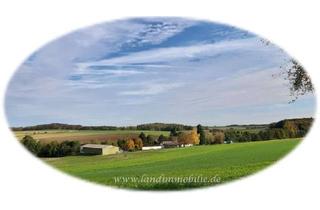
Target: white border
26, 183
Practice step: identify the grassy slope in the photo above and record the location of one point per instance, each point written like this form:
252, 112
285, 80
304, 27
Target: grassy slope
226, 161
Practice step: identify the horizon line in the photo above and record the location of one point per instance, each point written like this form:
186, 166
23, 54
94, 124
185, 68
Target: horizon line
193, 125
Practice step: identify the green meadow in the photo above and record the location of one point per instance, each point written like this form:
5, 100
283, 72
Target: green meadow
176, 168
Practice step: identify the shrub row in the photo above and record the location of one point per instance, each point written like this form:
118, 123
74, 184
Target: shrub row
52, 149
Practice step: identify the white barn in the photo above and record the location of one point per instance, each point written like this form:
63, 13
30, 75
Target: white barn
152, 147
98, 149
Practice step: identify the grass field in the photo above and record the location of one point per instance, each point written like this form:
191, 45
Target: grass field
155, 170
84, 136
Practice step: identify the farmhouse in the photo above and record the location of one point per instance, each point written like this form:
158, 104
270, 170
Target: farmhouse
98, 149
169, 144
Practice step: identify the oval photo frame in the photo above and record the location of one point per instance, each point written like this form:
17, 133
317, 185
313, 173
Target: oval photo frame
160, 103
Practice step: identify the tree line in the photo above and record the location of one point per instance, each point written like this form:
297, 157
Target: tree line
290, 128
164, 127
150, 126
52, 149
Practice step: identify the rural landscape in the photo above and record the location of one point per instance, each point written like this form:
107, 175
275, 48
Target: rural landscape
150, 151
160, 103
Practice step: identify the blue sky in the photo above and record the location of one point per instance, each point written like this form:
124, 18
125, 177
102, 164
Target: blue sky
143, 70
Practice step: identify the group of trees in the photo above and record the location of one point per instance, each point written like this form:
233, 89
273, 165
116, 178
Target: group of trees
181, 137
52, 149
201, 135
130, 144
164, 127
268, 134
136, 143
213, 136
188, 137
150, 140
289, 128
293, 128
300, 124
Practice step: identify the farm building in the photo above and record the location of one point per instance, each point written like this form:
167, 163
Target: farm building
151, 147
186, 145
169, 144
98, 149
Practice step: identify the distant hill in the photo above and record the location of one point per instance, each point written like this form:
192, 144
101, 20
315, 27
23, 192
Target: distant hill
61, 126
149, 126
293, 124
289, 124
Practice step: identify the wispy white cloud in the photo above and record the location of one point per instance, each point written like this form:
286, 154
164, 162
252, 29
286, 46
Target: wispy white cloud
175, 53
157, 30
151, 89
